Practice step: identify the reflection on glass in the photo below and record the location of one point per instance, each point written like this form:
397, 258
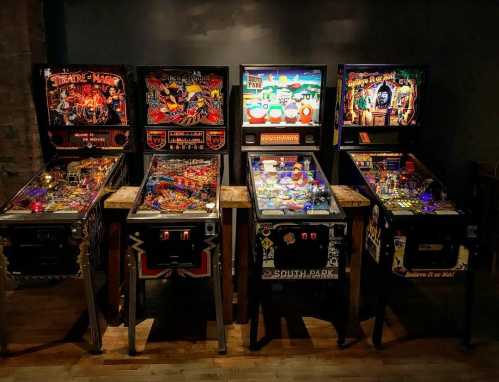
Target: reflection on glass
181, 186
290, 185
402, 183
68, 186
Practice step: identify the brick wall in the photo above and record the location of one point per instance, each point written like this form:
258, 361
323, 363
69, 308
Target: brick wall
22, 43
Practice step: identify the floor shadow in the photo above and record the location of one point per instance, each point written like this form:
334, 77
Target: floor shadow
181, 309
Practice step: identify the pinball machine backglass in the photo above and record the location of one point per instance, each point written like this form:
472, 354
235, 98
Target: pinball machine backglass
379, 105
282, 107
184, 108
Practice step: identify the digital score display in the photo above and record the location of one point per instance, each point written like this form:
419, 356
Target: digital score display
280, 139
174, 139
186, 137
280, 158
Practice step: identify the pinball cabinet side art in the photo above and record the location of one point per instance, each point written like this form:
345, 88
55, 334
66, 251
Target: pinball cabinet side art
297, 229
52, 228
174, 225
414, 230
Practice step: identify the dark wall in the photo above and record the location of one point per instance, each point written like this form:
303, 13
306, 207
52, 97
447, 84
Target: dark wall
459, 41
22, 42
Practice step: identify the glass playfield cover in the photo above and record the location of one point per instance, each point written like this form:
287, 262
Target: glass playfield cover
290, 185
403, 184
179, 186
66, 186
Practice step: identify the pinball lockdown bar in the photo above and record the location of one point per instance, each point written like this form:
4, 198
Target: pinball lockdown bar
52, 228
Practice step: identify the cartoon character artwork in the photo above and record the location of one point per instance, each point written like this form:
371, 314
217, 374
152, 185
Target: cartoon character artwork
269, 247
382, 97
256, 113
280, 97
184, 97
399, 268
399, 245
403, 98
291, 112
363, 105
373, 234
85, 98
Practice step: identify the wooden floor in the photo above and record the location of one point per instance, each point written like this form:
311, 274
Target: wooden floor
45, 323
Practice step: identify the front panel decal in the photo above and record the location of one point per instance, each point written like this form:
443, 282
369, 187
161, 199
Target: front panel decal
204, 270
266, 238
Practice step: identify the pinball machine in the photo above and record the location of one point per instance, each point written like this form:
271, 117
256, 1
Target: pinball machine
297, 228
52, 228
174, 225
414, 230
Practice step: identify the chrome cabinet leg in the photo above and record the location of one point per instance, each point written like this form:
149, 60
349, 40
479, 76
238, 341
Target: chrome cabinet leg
217, 286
